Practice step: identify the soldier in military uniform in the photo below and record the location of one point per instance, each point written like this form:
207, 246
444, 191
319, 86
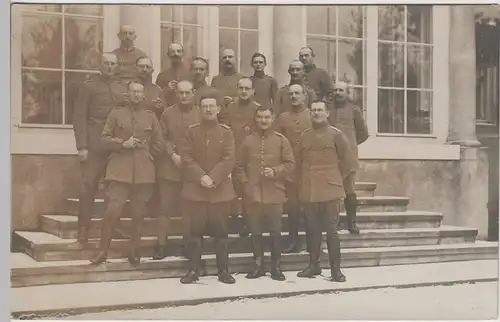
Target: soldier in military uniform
174, 122
348, 118
262, 165
95, 100
199, 73
265, 85
155, 100
127, 53
323, 159
291, 124
133, 136
226, 81
315, 78
177, 72
281, 100
208, 160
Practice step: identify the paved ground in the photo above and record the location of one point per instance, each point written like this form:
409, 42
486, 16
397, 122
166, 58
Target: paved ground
466, 301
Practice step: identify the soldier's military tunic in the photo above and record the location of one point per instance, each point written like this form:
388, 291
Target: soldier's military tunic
318, 80
265, 88
153, 92
264, 197
204, 89
127, 58
227, 84
175, 72
282, 100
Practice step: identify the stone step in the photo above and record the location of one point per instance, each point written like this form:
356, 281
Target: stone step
25, 271
46, 247
372, 204
65, 226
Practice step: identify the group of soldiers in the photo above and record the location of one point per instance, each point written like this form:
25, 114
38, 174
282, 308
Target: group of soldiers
239, 147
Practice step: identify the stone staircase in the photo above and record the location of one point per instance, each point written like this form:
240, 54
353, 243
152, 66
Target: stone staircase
390, 235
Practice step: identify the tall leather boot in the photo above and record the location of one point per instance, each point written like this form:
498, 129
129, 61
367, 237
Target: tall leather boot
293, 227
351, 204
159, 250
85, 209
258, 255
276, 273
334, 256
105, 242
193, 247
134, 256
314, 267
222, 259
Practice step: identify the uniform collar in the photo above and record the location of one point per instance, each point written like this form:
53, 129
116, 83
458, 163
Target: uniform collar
296, 82
146, 80
199, 85
244, 103
308, 69
298, 109
320, 126
209, 124
340, 104
127, 49
265, 133
229, 73
185, 109
260, 74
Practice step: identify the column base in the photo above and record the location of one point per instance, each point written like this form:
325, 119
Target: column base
472, 143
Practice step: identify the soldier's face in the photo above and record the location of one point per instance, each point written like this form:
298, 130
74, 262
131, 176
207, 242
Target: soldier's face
185, 93
144, 67
341, 91
136, 93
264, 119
175, 52
109, 63
258, 64
245, 90
127, 35
209, 109
297, 96
319, 113
296, 71
199, 70
228, 58
306, 57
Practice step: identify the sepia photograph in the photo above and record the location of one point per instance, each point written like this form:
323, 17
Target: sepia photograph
254, 161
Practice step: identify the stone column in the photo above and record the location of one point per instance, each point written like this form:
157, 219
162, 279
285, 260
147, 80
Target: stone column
289, 37
141, 17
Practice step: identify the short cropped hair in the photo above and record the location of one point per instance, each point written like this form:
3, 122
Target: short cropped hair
258, 55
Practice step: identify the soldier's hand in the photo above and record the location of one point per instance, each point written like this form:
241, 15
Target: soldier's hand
228, 100
158, 103
207, 182
247, 129
177, 160
130, 143
82, 155
268, 172
172, 85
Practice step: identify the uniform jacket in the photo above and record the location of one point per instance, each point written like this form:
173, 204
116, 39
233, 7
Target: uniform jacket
127, 58
323, 159
133, 166
282, 102
260, 150
240, 117
291, 124
348, 118
174, 124
208, 150
203, 89
318, 80
227, 85
178, 74
95, 100
265, 88
152, 92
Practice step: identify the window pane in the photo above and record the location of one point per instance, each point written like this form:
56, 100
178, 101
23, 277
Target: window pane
42, 40
190, 14
83, 43
419, 24
249, 17
351, 19
192, 39
171, 13
73, 82
169, 34
325, 53
42, 98
390, 111
84, 9
391, 22
351, 61
249, 46
228, 16
228, 39
41, 7
358, 97
419, 112
419, 68
390, 65
321, 20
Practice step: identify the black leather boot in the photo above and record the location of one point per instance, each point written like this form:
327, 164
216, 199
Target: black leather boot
351, 203
105, 242
134, 257
222, 259
334, 256
313, 268
193, 247
276, 273
293, 226
159, 252
258, 255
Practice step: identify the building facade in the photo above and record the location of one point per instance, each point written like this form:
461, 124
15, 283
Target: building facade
412, 69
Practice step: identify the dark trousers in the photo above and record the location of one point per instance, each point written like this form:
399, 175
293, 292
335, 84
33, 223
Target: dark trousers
169, 205
295, 213
264, 218
350, 184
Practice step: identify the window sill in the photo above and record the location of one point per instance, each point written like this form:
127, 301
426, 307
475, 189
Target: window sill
44, 126
399, 135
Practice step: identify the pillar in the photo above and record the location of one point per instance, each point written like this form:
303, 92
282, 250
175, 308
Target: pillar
289, 37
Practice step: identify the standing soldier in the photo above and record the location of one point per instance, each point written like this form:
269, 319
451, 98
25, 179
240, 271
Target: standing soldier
264, 161
174, 124
316, 78
240, 117
154, 100
348, 118
282, 99
168, 79
208, 160
127, 53
226, 81
199, 73
265, 85
132, 134
95, 100
323, 159
291, 124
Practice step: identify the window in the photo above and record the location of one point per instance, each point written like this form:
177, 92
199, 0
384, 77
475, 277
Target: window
405, 69
60, 46
337, 35
239, 30
182, 24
